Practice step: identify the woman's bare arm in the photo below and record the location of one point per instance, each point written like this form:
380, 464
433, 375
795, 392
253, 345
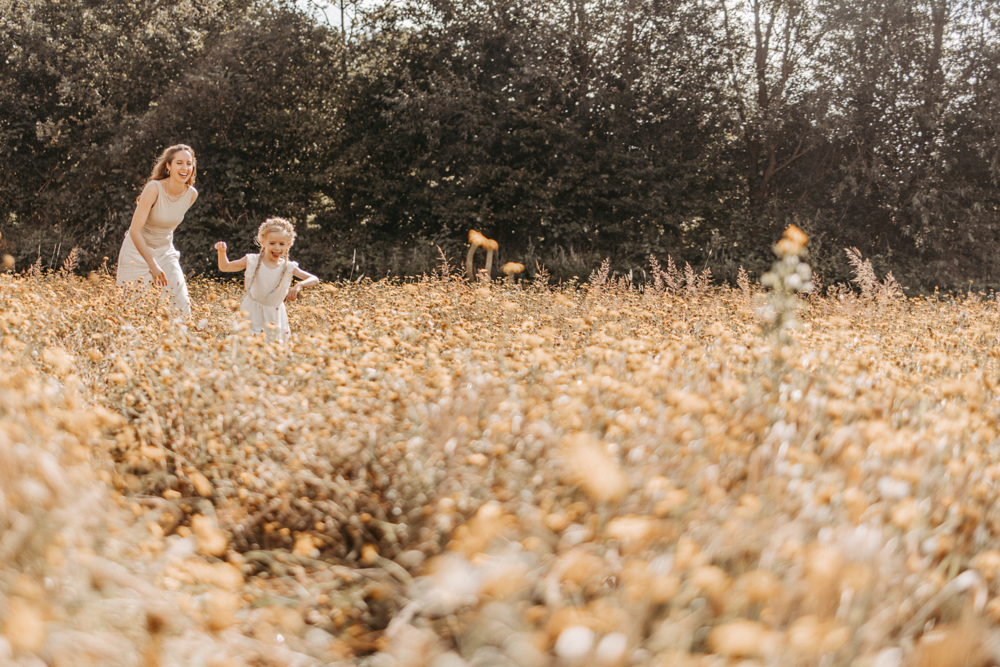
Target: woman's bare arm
139, 217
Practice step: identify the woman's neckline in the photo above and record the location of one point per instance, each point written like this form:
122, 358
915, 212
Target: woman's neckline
170, 196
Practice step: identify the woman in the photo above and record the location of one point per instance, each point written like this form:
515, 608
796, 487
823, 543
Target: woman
148, 252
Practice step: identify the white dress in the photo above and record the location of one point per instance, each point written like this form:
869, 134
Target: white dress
265, 296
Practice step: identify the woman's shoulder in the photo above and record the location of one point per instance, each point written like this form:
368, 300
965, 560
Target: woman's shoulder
157, 187
150, 191
194, 193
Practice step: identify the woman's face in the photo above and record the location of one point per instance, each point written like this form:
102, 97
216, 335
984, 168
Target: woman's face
275, 244
180, 165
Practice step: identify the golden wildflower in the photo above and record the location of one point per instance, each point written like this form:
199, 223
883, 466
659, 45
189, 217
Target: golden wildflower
221, 609
744, 639
59, 359
211, 540
24, 626
590, 468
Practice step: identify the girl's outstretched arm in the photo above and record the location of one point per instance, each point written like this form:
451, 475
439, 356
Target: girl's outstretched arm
225, 264
308, 280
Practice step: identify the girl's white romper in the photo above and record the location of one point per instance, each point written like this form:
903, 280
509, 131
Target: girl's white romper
265, 296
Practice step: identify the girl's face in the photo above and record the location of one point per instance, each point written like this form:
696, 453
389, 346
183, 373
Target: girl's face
180, 166
275, 245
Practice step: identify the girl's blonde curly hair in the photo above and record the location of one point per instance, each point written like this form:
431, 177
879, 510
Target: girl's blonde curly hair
266, 227
275, 225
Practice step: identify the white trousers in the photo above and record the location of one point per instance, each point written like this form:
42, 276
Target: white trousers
132, 267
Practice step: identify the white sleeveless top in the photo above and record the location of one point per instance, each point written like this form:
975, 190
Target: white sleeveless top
166, 214
270, 287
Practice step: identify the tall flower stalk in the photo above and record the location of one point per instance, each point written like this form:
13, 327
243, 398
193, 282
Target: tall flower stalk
788, 276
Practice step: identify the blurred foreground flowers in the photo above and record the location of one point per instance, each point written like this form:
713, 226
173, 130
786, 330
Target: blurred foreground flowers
438, 474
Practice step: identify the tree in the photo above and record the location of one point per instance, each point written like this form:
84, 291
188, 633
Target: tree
92, 92
558, 129
913, 111
771, 47
570, 131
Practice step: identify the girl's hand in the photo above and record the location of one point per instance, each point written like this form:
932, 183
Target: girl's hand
221, 246
293, 293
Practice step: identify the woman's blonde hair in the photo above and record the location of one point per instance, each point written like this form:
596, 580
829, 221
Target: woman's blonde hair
266, 227
160, 167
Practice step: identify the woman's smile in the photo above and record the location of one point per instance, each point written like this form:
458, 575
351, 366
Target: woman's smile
180, 166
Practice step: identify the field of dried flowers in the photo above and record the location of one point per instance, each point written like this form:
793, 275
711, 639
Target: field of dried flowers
434, 473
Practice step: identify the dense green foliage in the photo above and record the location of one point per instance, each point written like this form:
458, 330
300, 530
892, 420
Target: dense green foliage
569, 131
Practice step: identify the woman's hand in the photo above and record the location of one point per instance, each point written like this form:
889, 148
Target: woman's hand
221, 246
159, 278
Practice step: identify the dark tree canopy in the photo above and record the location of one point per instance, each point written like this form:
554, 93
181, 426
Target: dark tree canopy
569, 131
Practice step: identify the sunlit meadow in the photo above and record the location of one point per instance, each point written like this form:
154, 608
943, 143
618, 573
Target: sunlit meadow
439, 473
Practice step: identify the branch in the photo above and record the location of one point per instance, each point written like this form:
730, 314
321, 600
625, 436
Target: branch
796, 154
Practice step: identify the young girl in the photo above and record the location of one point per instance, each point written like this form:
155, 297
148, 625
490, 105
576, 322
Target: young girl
268, 277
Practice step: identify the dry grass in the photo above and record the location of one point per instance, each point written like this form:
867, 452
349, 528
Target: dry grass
571, 476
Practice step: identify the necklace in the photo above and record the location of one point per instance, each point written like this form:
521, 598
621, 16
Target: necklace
171, 197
